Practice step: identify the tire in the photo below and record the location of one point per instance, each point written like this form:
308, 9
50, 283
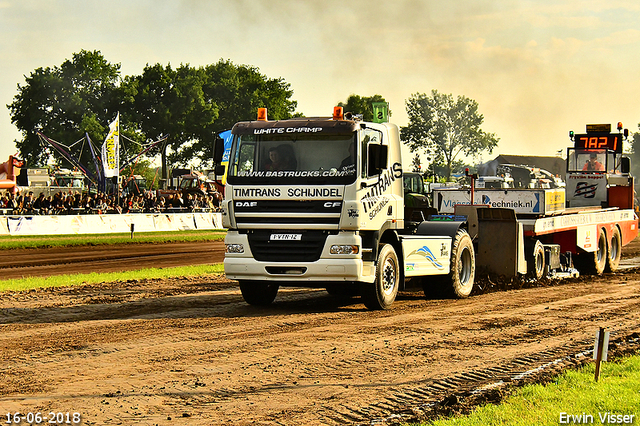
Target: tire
382, 293
614, 252
535, 261
595, 263
463, 265
258, 293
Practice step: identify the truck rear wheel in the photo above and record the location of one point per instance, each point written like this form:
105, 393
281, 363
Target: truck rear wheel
593, 263
459, 282
463, 265
382, 293
258, 293
614, 253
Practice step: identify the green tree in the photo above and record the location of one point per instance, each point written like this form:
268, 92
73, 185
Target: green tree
361, 105
164, 101
415, 164
238, 91
143, 168
634, 153
193, 105
437, 169
65, 102
449, 127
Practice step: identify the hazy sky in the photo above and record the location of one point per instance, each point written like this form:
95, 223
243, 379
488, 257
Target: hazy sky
537, 68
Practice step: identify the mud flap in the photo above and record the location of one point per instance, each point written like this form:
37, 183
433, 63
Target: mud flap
500, 243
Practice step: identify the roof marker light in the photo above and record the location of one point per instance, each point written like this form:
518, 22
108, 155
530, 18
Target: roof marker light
262, 114
619, 125
337, 113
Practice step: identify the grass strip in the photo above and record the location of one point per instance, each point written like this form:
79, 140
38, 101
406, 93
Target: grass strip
23, 284
8, 242
573, 398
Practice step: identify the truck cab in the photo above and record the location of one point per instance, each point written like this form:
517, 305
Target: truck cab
319, 202
597, 171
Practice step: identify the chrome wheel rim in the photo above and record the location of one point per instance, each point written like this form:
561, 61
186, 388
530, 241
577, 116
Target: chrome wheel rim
388, 276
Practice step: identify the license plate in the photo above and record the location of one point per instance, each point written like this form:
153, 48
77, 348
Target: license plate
286, 237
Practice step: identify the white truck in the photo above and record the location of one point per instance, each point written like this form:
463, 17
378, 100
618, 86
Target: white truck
319, 202
330, 213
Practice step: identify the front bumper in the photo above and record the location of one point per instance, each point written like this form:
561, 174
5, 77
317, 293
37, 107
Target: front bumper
329, 268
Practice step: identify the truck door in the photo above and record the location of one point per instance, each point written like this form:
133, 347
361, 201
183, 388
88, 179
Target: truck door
381, 185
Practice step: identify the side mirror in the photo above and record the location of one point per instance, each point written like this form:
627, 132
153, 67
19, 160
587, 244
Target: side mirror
625, 165
377, 159
218, 150
219, 169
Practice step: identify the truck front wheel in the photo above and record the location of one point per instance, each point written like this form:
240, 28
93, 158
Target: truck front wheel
382, 293
258, 293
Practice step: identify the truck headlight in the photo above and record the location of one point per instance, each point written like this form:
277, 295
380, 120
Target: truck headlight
344, 249
234, 248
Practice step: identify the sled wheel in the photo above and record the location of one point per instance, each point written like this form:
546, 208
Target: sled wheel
595, 262
382, 293
615, 251
536, 262
258, 293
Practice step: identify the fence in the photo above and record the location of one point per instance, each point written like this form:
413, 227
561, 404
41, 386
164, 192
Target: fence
107, 223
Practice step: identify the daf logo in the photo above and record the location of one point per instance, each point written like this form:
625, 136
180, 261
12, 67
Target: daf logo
246, 204
331, 204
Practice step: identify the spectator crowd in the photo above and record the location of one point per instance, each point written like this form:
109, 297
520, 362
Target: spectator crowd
74, 202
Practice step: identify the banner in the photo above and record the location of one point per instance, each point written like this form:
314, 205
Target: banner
111, 149
227, 137
107, 223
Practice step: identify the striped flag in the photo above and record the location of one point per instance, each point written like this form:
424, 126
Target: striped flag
111, 149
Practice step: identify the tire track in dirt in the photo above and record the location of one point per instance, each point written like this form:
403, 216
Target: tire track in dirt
149, 350
141, 352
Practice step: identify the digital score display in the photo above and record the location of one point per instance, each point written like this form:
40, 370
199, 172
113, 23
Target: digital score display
591, 141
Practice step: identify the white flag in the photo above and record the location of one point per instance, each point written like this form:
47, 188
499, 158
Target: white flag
111, 149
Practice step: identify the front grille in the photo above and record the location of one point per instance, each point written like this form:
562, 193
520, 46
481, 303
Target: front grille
271, 221
288, 206
307, 249
301, 214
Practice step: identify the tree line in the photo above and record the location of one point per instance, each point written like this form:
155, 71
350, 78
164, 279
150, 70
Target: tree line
193, 104
190, 104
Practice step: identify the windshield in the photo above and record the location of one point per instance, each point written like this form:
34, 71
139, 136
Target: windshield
299, 158
413, 184
593, 160
187, 183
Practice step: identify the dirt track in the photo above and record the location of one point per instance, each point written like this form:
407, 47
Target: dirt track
106, 258
190, 351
